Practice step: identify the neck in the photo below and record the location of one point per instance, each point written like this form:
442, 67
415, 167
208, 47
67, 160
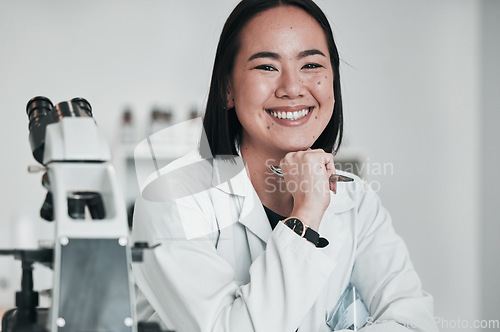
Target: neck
269, 187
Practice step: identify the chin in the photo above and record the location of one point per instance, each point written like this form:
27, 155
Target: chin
297, 147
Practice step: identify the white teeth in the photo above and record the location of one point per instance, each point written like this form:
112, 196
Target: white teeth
290, 115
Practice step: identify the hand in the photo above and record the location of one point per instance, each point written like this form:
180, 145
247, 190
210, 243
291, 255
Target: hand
307, 176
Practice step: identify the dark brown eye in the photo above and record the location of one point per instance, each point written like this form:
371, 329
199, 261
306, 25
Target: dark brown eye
312, 66
266, 68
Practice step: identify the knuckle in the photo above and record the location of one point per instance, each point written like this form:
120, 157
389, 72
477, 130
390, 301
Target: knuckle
289, 156
310, 157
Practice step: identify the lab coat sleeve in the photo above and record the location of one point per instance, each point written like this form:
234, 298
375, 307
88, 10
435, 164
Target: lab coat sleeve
192, 288
384, 274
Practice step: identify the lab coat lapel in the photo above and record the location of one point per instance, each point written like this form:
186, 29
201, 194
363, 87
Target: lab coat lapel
230, 176
254, 218
333, 225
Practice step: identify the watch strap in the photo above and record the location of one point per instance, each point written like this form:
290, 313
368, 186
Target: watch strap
323, 242
312, 236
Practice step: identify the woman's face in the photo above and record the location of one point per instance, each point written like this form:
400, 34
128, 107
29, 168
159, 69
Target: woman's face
282, 82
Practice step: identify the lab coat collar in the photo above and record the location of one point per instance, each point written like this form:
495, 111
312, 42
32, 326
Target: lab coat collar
230, 176
341, 201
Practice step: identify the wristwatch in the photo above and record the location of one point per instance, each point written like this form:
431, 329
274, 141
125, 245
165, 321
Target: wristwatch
302, 230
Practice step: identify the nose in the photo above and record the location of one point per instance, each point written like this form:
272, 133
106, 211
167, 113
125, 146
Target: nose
290, 85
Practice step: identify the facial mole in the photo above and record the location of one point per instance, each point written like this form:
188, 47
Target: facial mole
319, 82
315, 116
268, 127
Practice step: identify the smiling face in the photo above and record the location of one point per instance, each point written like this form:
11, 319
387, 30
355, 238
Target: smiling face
282, 81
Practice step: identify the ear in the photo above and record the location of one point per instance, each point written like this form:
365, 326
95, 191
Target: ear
229, 97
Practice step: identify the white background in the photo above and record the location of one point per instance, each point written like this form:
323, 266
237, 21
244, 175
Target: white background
420, 90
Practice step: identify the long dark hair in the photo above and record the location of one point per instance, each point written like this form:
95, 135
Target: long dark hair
222, 127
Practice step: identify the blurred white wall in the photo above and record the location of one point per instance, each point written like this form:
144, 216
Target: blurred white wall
411, 76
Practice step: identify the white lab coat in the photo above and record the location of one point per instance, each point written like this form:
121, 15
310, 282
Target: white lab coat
252, 278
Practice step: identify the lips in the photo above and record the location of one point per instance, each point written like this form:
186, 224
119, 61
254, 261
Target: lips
292, 115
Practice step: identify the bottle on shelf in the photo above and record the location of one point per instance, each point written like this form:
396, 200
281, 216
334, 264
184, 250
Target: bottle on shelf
127, 129
160, 119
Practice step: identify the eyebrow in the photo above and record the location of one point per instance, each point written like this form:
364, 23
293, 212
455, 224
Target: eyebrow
259, 55
306, 53
276, 56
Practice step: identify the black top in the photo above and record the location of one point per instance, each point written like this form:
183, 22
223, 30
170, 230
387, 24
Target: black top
273, 217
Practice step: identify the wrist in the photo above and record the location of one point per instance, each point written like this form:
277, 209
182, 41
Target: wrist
309, 217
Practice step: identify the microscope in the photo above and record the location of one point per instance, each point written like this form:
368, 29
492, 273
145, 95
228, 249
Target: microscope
92, 255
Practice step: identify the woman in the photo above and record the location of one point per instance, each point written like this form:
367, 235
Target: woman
242, 249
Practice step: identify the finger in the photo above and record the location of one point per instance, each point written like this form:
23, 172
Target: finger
329, 165
333, 186
329, 162
330, 168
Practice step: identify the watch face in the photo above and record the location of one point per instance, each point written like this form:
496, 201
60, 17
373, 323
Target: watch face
296, 225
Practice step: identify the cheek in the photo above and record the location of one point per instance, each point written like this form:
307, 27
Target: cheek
322, 89
253, 91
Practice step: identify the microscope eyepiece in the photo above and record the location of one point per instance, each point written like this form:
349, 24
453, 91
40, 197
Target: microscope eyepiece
37, 108
83, 104
41, 113
76, 107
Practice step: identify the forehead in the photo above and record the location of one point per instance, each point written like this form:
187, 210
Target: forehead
283, 26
